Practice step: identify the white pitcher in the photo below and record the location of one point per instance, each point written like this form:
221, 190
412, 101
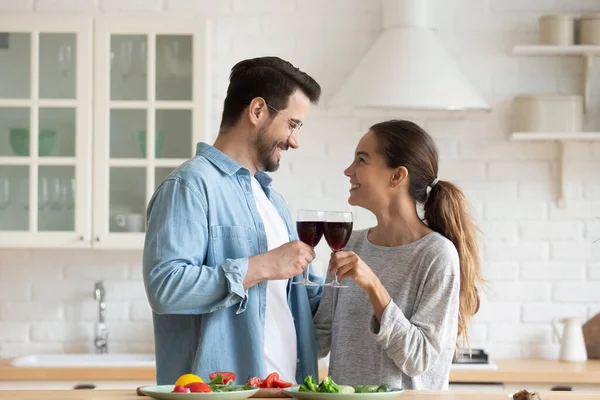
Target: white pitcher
572, 343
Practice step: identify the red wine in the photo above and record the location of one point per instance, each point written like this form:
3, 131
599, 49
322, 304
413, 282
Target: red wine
337, 234
310, 232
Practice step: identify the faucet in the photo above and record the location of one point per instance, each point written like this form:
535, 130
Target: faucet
101, 339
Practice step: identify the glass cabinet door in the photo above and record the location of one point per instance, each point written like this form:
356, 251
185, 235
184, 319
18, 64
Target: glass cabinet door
45, 136
149, 115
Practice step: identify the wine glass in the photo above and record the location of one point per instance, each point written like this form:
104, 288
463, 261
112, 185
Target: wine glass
64, 59
310, 230
4, 193
337, 230
54, 198
126, 57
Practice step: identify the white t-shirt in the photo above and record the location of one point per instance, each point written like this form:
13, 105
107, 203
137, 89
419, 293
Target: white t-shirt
280, 333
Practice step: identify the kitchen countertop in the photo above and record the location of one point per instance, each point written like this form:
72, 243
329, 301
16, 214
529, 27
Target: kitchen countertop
10, 373
509, 371
408, 395
529, 370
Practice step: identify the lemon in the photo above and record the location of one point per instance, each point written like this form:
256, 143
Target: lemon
187, 379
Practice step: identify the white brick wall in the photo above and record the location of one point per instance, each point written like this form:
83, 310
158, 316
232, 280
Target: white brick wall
538, 260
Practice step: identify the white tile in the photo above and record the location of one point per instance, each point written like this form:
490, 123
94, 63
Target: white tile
577, 292
553, 271
14, 332
132, 5
546, 312
520, 333
66, 5
552, 230
16, 5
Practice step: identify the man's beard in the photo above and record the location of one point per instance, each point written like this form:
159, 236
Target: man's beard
265, 151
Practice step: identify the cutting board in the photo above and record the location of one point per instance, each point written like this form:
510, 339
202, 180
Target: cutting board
591, 334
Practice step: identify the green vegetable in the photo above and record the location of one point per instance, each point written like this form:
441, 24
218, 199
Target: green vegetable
366, 388
385, 388
217, 385
329, 386
230, 388
309, 385
218, 380
346, 389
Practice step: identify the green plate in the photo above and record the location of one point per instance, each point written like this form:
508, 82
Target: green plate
163, 392
293, 391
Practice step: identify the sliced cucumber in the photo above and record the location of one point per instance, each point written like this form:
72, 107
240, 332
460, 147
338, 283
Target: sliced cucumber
346, 389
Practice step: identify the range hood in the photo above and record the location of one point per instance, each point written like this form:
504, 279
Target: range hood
408, 68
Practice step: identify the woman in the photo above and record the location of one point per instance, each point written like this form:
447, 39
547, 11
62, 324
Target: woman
412, 284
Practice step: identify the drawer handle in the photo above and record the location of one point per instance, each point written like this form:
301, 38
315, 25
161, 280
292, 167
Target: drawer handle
562, 389
84, 386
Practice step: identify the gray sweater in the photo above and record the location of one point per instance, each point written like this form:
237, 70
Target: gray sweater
414, 345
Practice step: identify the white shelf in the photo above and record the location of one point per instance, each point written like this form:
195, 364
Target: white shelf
562, 136
586, 51
550, 50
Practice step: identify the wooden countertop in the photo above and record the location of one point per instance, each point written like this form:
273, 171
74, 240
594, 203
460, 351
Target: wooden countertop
10, 373
527, 370
509, 371
408, 395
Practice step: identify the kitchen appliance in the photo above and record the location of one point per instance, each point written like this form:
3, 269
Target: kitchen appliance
572, 343
476, 359
407, 67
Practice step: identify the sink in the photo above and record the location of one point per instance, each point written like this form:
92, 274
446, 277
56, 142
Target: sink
85, 360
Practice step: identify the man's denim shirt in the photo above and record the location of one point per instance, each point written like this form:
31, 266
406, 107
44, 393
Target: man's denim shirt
203, 225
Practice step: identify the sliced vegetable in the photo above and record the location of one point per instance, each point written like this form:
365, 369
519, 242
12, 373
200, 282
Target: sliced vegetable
181, 389
254, 382
198, 387
346, 389
366, 388
282, 384
385, 388
187, 378
226, 376
268, 383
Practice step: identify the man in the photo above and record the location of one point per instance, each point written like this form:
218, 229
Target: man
221, 248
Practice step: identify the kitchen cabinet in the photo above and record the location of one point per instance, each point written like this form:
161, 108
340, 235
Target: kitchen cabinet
114, 105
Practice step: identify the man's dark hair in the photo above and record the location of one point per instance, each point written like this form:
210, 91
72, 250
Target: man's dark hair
271, 78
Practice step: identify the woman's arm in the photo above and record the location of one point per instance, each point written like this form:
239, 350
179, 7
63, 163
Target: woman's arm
414, 345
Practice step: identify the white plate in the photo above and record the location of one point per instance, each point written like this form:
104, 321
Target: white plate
293, 391
164, 392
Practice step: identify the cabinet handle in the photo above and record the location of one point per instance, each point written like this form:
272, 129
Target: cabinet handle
97, 238
81, 238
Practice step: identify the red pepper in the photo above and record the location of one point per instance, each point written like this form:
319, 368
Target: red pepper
268, 383
282, 384
227, 376
196, 387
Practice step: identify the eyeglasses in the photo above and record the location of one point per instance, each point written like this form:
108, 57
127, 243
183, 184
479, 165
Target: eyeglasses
293, 124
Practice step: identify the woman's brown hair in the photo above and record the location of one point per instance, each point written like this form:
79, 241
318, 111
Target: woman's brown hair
404, 143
